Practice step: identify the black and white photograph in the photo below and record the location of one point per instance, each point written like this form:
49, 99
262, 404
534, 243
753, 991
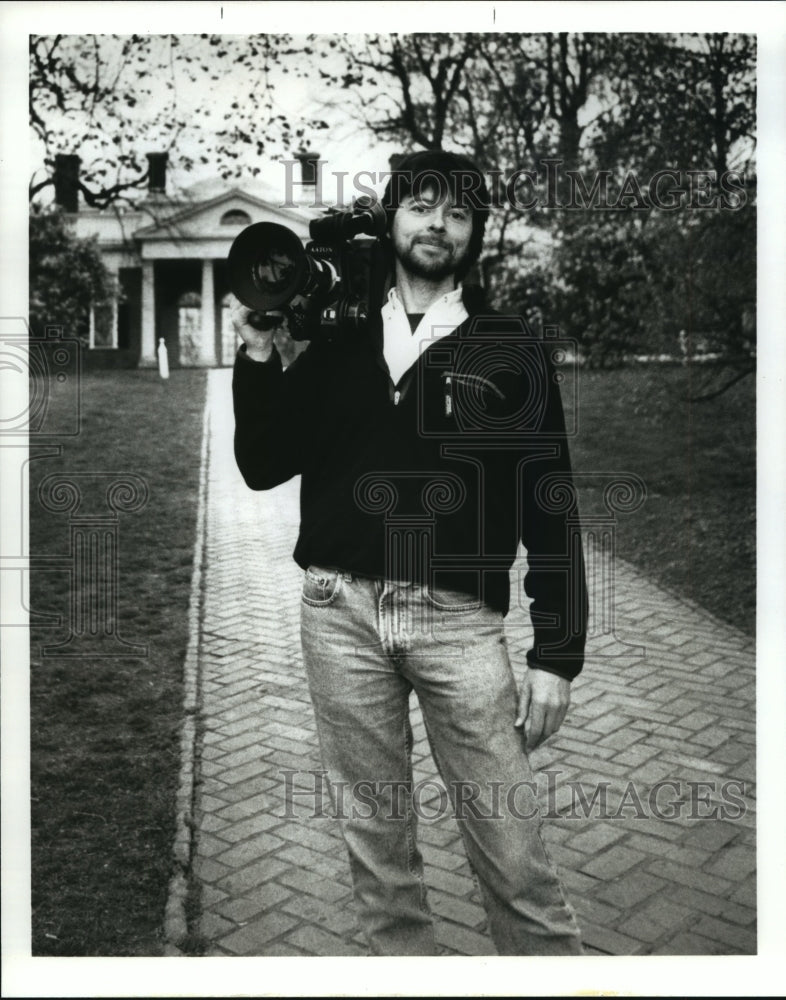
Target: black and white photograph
392, 557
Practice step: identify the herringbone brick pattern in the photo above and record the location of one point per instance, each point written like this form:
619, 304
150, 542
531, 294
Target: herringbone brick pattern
648, 789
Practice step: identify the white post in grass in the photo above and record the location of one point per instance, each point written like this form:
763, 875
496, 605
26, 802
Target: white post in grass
163, 359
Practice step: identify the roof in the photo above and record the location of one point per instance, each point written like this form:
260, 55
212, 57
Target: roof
173, 224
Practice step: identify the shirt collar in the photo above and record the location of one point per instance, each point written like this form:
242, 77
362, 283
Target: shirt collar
449, 298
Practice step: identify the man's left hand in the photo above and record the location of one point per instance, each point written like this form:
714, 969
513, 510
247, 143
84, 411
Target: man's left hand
543, 703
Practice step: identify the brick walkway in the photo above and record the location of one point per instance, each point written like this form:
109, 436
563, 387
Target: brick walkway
641, 882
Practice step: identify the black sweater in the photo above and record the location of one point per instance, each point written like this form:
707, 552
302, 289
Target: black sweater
435, 479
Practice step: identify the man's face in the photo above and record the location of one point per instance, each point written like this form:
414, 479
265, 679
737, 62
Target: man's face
431, 235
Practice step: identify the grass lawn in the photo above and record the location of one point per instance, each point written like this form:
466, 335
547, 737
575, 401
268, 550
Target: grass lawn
105, 752
696, 533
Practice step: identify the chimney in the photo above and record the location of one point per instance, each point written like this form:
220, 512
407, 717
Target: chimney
67, 181
156, 174
394, 160
308, 167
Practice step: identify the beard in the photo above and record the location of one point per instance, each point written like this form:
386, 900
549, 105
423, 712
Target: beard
428, 265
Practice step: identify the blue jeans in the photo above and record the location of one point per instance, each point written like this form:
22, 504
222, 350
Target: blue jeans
366, 644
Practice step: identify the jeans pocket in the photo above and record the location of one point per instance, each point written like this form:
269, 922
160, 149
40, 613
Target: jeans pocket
452, 601
320, 586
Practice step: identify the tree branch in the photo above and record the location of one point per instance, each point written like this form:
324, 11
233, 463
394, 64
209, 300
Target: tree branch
719, 392
550, 75
33, 189
409, 115
104, 198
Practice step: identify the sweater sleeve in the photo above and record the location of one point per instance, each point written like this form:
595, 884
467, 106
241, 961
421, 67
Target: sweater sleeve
551, 534
272, 407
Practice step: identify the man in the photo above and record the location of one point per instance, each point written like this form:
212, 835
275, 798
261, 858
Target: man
428, 446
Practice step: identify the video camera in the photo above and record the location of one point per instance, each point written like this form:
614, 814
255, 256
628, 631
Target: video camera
328, 288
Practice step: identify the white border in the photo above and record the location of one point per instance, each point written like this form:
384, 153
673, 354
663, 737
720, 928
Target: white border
725, 976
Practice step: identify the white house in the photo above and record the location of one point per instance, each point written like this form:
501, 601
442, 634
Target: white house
169, 256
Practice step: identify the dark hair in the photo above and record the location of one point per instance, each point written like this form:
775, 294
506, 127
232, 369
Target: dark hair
455, 176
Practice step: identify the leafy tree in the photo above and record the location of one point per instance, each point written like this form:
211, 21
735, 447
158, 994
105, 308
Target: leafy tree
679, 101
685, 103
649, 283
67, 276
630, 280
603, 293
708, 289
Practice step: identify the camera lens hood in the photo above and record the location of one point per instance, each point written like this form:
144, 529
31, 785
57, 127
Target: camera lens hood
267, 266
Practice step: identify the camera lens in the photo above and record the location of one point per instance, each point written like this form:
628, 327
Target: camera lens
273, 270
267, 266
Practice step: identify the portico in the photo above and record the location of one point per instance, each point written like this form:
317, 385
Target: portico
185, 281
168, 256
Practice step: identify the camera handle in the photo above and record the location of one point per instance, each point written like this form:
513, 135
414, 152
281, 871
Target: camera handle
263, 321
366, 218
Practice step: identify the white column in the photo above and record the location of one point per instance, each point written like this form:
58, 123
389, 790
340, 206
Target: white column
208, 351
147, 358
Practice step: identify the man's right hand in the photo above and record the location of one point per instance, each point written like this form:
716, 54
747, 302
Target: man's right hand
259, 343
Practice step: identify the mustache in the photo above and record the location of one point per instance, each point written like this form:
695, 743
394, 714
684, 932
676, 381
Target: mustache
433, 241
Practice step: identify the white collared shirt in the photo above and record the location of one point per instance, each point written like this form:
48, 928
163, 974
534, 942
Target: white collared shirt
401, 347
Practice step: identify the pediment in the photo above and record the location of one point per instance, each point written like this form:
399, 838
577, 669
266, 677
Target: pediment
204, 220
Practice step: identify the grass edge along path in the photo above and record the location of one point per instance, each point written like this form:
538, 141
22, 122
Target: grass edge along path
183, 903
105, 733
